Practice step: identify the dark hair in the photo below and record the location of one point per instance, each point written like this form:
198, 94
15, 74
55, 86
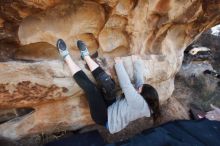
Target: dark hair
151, 97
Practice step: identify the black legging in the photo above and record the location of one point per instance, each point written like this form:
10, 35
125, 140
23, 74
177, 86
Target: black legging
97, 104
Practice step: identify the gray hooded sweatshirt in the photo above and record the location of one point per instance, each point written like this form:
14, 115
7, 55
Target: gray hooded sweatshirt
133, 106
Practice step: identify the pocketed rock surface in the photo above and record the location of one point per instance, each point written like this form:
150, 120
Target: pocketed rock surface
32, 75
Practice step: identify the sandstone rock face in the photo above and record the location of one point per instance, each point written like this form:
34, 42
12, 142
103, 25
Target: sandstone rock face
43, 4
66, 21
47, 117
42, 83
157, 30
173, 106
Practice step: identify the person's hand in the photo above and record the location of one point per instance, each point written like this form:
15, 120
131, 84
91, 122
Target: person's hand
135, 57
118, 60
214, 114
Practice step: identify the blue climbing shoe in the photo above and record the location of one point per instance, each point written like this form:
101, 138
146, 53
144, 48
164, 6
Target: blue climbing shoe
83, 48
62, 48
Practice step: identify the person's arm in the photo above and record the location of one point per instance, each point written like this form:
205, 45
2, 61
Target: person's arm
133, 98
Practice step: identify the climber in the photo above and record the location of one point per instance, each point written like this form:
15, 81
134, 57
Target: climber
116, 115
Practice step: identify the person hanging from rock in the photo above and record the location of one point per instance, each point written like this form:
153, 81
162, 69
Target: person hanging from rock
117, 114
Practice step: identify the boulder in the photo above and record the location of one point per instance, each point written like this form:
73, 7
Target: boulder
66, 21
173, 110
70, 113
33, 75
42, 4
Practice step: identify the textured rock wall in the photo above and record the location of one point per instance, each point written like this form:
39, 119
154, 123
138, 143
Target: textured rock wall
35, 76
